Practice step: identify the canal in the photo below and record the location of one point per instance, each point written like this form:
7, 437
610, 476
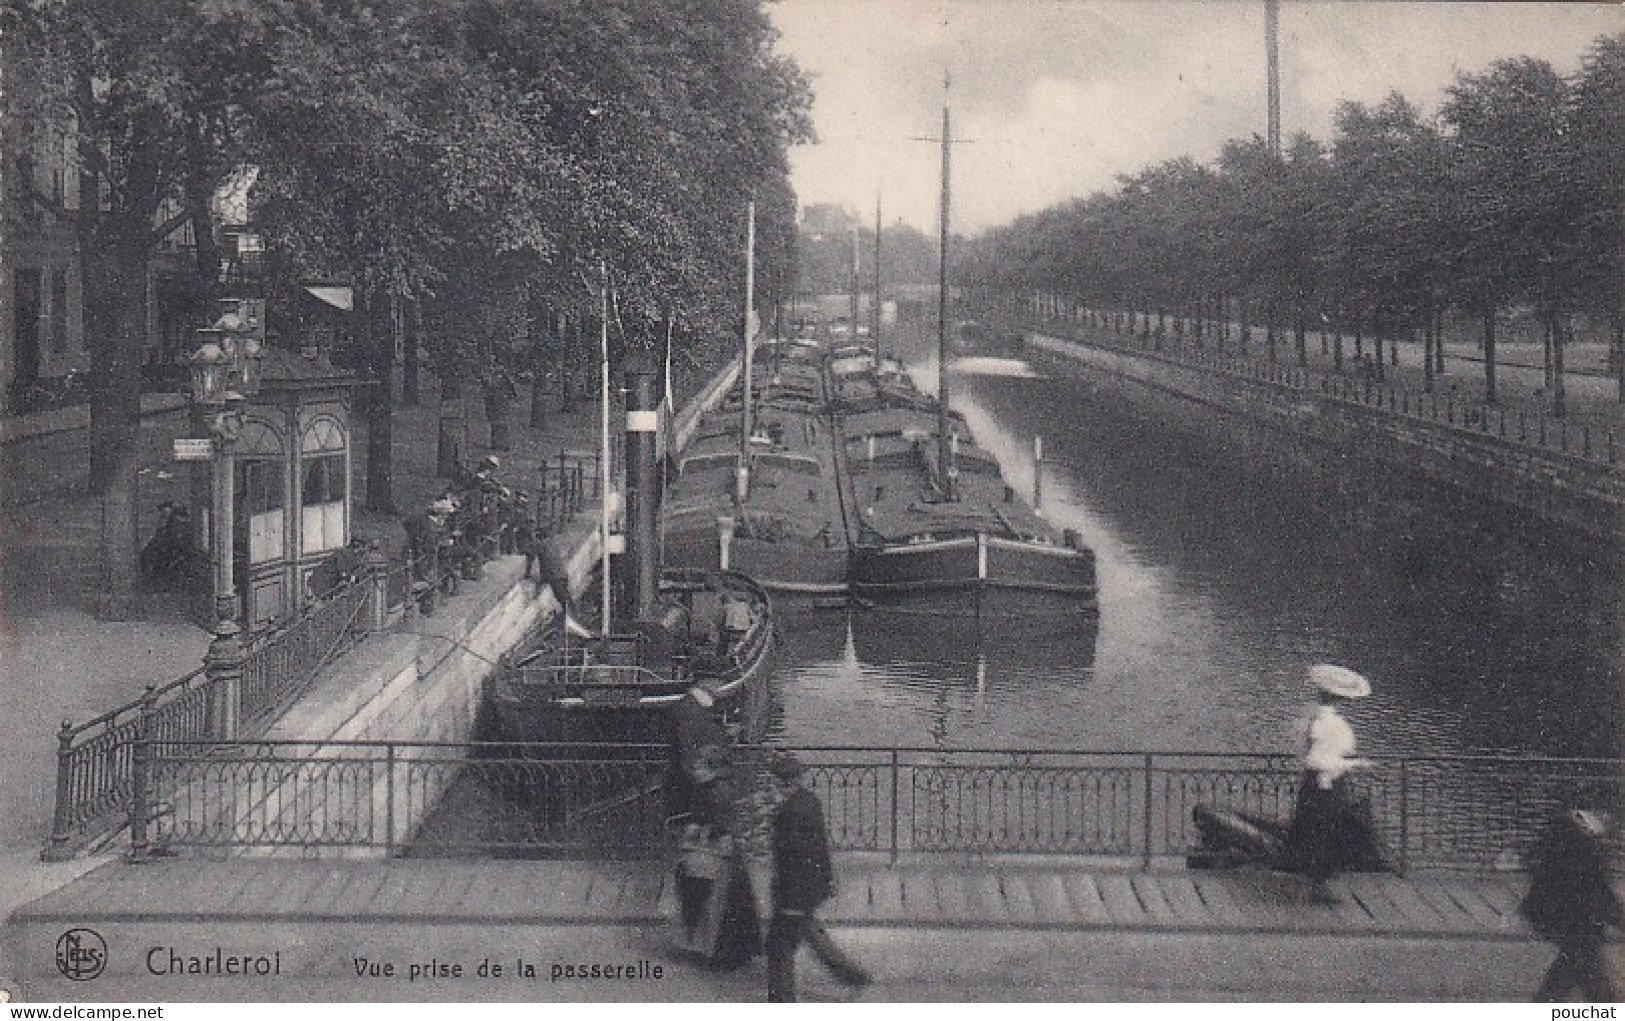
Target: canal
1220, 584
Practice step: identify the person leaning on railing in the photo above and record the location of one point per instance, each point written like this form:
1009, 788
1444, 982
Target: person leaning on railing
341, 568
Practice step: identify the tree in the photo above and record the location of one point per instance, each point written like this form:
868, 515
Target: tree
1519, 203
150, 92
1596, 154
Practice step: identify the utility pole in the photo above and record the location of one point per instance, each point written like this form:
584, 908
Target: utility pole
1272, 34
944, 460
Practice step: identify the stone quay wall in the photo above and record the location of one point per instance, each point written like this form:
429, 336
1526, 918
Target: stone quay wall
1351, 440
425, 681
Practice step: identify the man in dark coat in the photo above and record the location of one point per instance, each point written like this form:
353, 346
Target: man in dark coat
803, 878
1571, 903
701, 793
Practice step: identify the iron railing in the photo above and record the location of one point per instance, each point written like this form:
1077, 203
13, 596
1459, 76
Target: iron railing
418, 799
280, 663
1548, 433
94, 760
1463, 812
566, 484
95, 764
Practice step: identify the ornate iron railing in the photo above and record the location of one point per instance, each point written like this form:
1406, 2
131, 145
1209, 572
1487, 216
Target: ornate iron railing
94, 762
1471, 813
281, 662
419, 799
566, 484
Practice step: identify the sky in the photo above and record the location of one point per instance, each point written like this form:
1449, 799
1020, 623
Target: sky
1055, 98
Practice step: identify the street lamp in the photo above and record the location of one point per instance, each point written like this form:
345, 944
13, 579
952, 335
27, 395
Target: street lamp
210, 371
225, 372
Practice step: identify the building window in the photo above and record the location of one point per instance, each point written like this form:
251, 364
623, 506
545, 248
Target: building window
26, 320
260, 493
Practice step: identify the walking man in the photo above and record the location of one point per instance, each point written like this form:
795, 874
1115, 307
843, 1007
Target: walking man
1571, 903
802, 880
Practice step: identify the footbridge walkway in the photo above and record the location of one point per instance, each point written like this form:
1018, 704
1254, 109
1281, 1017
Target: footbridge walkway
933, 929
962, 875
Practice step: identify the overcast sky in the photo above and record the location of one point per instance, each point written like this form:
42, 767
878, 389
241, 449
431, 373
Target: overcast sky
1057, 97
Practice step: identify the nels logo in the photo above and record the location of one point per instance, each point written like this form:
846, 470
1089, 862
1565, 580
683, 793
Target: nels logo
81, 954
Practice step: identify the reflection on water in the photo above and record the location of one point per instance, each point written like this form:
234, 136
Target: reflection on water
1220, 584
901, 678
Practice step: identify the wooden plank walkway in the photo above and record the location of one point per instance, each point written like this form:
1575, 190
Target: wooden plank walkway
957, 895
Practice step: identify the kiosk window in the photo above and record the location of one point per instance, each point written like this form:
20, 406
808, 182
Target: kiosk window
323, 498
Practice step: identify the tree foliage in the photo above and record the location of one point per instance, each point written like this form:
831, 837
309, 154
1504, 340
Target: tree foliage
1510, 196
408, 147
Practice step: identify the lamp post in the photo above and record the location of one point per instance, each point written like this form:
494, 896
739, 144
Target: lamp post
225, 372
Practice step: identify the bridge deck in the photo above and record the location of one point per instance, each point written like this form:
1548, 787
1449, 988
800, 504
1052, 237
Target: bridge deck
1055, 931
912, 895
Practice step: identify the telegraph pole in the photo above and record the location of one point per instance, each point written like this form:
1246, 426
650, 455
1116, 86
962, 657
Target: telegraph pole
944, 461
1272, 35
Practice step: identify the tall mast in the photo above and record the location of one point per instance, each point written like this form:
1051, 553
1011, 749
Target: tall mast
853, 318
743, 475
603, 449
943, 457
1272, 46
874, 308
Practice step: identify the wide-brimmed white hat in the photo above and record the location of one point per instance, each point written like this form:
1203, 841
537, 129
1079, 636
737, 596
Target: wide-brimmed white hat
1339, 681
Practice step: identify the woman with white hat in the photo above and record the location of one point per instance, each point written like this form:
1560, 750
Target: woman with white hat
1320, 834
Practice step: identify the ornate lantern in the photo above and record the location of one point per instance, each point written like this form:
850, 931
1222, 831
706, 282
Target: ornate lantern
211, 369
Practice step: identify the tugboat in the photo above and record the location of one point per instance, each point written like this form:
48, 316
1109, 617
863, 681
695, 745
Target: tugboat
712, 630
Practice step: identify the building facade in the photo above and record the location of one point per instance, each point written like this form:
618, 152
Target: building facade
42, 333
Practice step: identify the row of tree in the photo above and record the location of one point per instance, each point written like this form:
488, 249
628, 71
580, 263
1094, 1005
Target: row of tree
466, 165
832, 236
1510, 197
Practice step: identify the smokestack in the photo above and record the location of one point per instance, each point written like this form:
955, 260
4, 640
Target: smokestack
643, 483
